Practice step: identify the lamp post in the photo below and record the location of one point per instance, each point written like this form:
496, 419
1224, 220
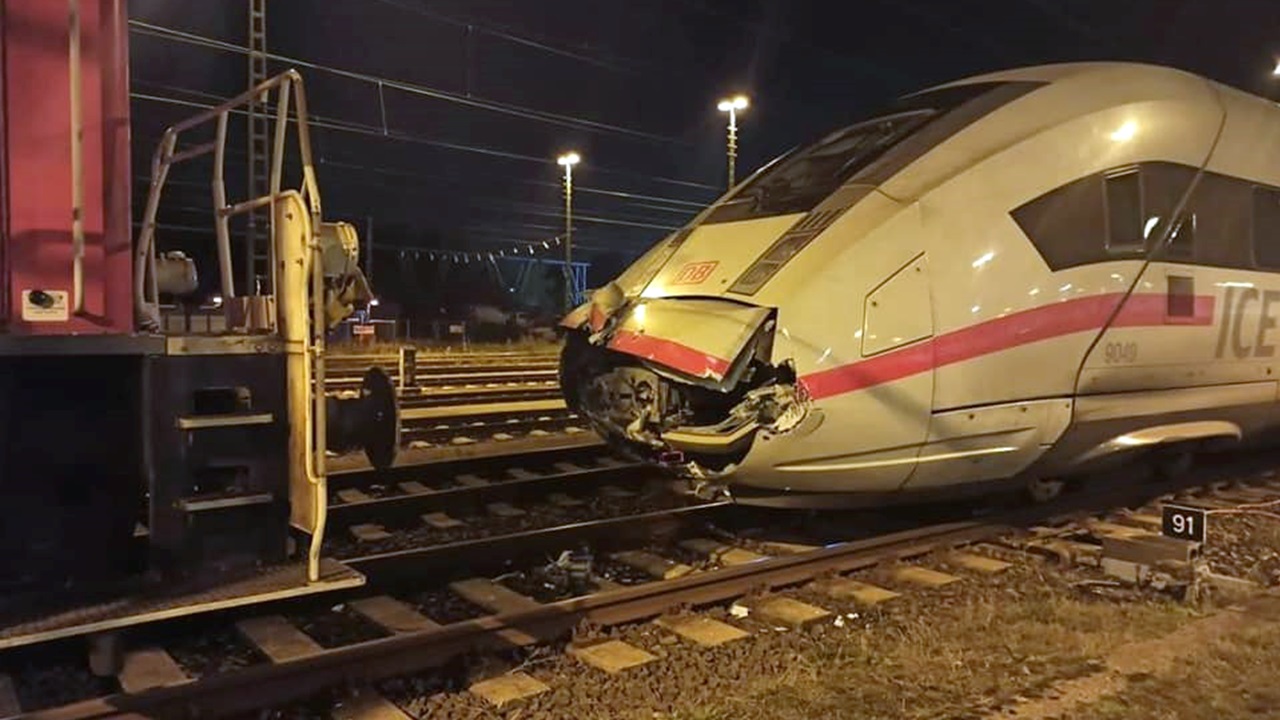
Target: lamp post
567, 161
732, 106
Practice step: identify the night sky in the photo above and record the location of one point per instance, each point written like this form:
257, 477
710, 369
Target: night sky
463, 157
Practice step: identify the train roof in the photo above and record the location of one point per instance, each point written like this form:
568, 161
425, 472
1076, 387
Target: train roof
1110, 71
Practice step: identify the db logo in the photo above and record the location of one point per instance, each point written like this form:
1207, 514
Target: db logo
694, 273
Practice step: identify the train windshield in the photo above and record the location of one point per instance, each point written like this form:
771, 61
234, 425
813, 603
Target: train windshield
802, 180
798, 181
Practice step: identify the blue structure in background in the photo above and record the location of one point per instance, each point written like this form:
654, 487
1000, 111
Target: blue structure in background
521, 276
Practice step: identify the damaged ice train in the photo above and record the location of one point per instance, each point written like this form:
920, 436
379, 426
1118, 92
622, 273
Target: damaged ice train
1010, 278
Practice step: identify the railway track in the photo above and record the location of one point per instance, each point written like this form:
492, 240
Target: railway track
467, 397
344, 370
517, 589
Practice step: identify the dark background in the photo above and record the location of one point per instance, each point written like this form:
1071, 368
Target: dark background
462, 157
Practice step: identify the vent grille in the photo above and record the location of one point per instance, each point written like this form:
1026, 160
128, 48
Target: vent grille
786, 247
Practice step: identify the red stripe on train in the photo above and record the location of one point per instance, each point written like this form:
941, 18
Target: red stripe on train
674, 355
992, 336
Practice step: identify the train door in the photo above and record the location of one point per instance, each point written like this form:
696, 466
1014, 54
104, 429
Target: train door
873, 401
898, 359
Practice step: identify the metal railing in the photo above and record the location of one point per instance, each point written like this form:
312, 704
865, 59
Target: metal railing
287, 86
298, 314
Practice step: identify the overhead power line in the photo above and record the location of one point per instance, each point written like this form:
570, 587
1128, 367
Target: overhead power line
146, 28
508, 35
373, 131
684, 205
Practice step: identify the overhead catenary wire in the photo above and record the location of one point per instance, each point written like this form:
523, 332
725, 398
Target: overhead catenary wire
506, 233
377, 132
318, 122
584, 189
393, 172
628, 210
472, 25
639, 219
382, 132
634, 216
160, 31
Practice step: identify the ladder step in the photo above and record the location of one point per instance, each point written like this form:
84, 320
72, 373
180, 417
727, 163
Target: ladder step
204, 422
207, 503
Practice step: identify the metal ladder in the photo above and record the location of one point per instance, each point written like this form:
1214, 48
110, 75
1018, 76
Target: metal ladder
257, 242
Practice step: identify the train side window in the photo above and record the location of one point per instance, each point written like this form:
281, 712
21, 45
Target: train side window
1223, 209
1266, 227
1182, 243
1066, 225
1165, 186
1125, 225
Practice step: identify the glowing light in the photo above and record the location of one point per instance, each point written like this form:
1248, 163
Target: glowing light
739, 102
1116, 276
1034, 292
569, 158
1276, 72
1151, 223
1065, 288
373, 302
639, 313
1125, 132
217, 300
975, 308
986, 258
1234, 284
857, 335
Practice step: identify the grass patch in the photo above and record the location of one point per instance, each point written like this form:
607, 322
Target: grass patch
975, 651
1231, 677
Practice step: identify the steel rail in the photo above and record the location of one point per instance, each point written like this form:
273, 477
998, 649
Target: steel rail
475, 410
272, 685
447, 360
475, 375
528, 458
441, 397
471, 426
394, 508
497, 552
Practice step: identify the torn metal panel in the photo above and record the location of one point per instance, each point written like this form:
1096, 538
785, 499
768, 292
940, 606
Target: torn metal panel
686, 383
702, 339
577, 317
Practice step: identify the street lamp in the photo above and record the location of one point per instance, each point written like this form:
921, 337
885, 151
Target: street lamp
568, 160
732, 106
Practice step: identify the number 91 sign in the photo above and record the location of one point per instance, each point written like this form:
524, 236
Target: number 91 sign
1184, 523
